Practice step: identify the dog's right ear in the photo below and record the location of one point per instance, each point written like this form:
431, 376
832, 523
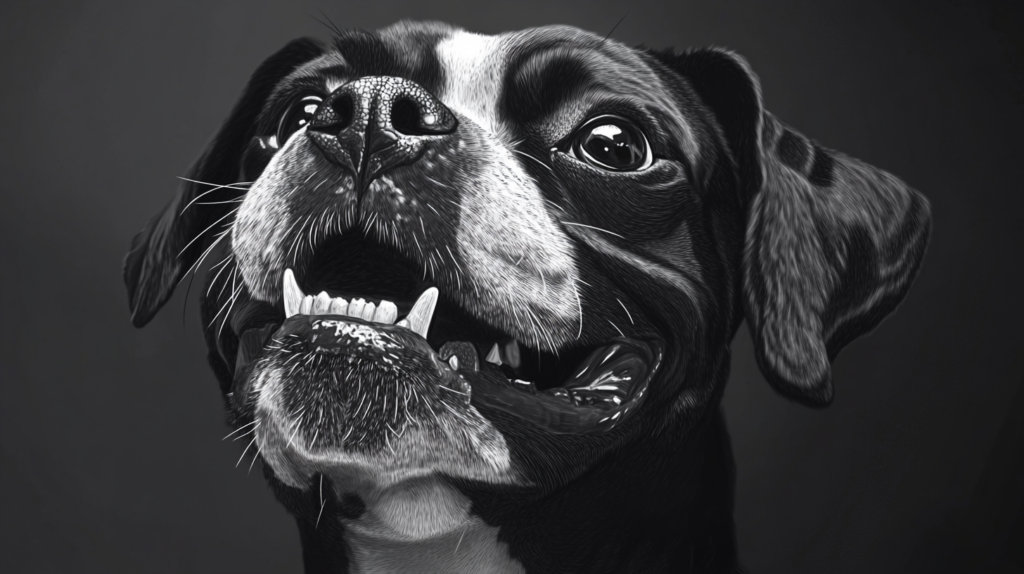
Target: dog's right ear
175, 239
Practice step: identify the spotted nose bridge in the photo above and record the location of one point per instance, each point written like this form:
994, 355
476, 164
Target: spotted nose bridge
377, 123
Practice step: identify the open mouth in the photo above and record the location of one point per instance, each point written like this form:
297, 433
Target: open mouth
362, 288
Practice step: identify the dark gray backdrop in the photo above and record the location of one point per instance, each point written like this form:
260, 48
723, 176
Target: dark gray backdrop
110, 450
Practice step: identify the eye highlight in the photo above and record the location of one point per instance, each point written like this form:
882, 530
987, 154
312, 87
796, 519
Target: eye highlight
612, 143
298, 114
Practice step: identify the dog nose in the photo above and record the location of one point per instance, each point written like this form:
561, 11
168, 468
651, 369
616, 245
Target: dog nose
377, 123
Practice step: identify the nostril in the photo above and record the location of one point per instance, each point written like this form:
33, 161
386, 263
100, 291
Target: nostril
405, 118
344, 110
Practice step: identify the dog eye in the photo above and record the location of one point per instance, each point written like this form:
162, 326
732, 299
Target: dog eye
300, 113
612, 143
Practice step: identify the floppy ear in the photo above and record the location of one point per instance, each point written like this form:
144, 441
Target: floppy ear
832, 244
175, 239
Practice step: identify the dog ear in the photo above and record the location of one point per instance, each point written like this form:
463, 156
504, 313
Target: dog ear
176, 238
832, 244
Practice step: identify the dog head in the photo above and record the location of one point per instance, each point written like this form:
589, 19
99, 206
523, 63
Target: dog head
499, 259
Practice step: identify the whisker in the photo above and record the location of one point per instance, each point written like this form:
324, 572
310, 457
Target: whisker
255, 422
579, 308
524, 154
259, 449
615, 26
239, 200
215, 187
190, 273
617, 329
228, 314
195, 266
628, 314
594, 228
322, 502
236, 185
235, 292
245, 451
212, 225
216, 276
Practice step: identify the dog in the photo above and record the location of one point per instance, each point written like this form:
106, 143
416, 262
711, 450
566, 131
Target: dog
470, 298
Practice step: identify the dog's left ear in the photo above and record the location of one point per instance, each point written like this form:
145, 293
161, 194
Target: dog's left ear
832, 244
175, 239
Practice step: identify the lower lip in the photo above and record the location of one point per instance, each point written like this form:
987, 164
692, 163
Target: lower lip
555, 415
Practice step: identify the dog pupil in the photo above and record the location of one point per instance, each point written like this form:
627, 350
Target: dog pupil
612, 146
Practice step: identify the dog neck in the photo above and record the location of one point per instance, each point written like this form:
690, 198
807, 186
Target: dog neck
652, 525
422, 525
473, 548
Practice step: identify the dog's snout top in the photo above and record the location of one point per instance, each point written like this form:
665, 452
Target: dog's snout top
377, 123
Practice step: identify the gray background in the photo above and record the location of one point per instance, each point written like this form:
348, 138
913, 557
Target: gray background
110, 450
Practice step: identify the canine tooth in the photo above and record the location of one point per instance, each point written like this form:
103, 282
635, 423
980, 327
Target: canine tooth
510, 353
494, 355
386, 313
453, 362
355, 307
321, 303
306, 305
290, 293
338, 306
422, 312
368, 310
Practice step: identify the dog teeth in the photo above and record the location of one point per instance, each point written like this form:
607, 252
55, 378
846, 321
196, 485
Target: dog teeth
510, 353
368, 311
422, 312
355, 307
291, 293
338, 306
494, 355
386, 313
321, 303
298, 303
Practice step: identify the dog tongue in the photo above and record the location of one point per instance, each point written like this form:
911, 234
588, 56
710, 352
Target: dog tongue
608, 373
608, 385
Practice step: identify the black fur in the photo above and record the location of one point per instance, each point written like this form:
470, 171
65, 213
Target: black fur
811, 247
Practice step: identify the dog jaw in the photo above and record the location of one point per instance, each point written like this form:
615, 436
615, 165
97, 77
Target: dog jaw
441, 433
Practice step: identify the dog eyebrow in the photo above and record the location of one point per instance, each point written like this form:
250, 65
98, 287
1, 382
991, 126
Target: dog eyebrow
541, 80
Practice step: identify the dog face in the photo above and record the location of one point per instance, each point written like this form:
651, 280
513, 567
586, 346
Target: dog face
502, 259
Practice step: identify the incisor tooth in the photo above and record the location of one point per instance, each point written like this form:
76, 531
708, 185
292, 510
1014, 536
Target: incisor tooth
403, 323
368, 311
321, 303
355, 307
386, 313
422, 312
306, 305
290, 293
338, 306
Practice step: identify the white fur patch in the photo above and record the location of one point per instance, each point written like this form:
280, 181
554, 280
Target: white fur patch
521, 265
466, 446
474, 67
257, 237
